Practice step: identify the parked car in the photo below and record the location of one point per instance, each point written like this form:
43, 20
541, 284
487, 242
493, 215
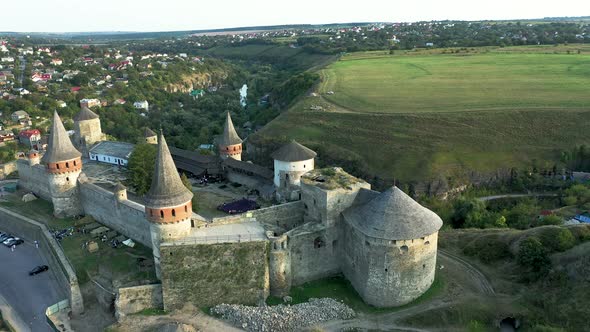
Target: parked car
38, 269
13, 241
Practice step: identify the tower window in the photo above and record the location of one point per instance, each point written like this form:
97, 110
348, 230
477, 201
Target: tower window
68, 179
74, 163
67, 165
318, 242
185, 208
173, 213
57, 165
162, 214
404, 249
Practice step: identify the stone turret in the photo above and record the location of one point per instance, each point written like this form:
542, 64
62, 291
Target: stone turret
63, 165
168, 205
34, 158
150, 136
230, 144
390, 245
120, 192
290, 163
87, 129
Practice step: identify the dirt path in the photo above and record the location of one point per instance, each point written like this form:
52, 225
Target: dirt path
494, 197
482, 281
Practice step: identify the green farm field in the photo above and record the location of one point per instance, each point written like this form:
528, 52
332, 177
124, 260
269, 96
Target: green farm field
419, 116
465, 82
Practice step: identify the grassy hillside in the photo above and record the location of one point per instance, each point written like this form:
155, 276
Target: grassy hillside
419, 116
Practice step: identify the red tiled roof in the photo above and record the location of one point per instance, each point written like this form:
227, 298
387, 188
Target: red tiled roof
29, 133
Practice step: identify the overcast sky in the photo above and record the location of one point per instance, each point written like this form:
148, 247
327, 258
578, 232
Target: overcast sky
168, 15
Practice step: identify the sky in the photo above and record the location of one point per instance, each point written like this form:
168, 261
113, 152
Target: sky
171, 15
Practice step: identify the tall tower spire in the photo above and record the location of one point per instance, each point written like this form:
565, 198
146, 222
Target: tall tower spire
168, 205
230, 144
63, 164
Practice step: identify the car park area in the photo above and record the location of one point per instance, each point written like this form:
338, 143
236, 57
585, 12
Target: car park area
28, 295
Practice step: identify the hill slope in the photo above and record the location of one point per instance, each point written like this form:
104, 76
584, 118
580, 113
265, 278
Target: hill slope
471, 115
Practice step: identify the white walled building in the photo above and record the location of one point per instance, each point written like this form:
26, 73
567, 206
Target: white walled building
290, 163
116, 153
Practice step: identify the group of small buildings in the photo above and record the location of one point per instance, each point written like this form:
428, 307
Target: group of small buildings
384, 243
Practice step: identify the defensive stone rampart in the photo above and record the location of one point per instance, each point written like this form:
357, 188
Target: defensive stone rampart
288, 216
123, 216
33, 178
131, 300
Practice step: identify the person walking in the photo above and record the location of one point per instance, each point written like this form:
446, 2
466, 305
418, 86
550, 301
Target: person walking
36, 244
13, 247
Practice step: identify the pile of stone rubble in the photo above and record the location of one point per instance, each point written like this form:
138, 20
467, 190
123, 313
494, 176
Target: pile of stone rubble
283, 317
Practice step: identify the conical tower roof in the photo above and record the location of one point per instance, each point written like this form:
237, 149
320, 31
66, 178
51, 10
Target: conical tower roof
167, 188
293, 152
85, 114
149, 133
59, 147
393, 215
230, 136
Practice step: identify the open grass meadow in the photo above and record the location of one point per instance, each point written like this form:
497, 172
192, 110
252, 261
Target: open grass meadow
420, 117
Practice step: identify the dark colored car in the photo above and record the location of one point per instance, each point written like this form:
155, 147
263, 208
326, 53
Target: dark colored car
38, 269
4, 237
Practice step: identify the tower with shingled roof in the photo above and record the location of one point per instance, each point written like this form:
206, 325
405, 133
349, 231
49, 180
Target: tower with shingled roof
87, 130
63, 164
230, 144
168, 203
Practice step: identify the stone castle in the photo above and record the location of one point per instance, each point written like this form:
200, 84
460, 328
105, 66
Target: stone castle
385, 243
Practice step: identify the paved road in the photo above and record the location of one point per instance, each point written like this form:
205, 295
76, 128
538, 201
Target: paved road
494, 197
28, 296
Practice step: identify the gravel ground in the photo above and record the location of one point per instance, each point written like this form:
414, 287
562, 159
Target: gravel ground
283, 317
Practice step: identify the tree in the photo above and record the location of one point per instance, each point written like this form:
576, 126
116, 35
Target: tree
141, 167
533, 256
468, 212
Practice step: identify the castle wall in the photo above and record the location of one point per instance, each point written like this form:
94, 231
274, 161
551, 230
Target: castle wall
287, 216
245, 180
126, 217
33, 178
209, 274
326, 205
131, 300
313, 252
388, 273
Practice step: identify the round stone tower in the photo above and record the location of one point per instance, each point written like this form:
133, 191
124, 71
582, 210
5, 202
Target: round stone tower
168, 205
390, 245
87, 129
150, 136
34, 158
290, 163
63, 165
230, 145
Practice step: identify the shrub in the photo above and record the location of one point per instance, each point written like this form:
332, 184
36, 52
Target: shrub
488, 249
533, 256
550, 220
557, 239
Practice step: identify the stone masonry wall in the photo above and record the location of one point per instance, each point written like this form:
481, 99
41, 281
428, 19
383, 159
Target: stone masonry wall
209, 274
131, 300
313, 253
288, 216
33, 178
125, 217
30, 231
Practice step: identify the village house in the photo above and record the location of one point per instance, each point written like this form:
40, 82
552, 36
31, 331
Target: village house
30, 138
56, 62
144, 105
19, 115
7, 59
6, 136
90, 103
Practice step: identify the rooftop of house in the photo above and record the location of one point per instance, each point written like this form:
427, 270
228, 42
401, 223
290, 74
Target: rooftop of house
114, 149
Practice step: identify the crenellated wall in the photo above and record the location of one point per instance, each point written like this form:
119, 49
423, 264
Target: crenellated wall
124, 216
33, 178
